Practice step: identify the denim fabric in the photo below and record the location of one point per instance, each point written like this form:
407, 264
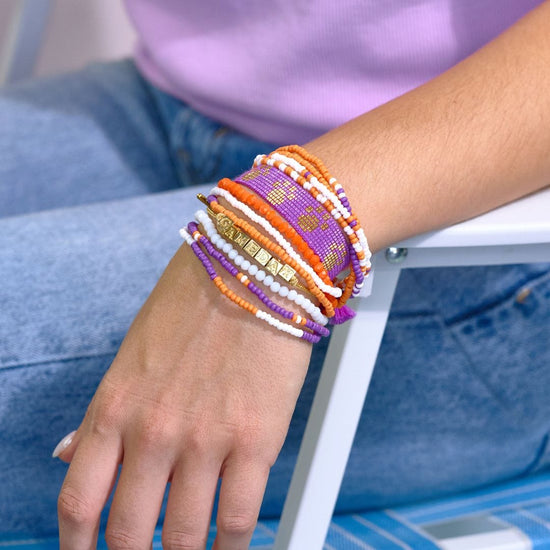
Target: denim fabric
95, 176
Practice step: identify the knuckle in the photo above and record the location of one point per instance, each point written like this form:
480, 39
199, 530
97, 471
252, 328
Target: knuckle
105, 417
237, 525
183, 540
156, 432
73, 508
121, 539
198, 439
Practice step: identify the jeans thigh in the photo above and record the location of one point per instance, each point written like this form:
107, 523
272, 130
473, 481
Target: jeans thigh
87, 136
458, 397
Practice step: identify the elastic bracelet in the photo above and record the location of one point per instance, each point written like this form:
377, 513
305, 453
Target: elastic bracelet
257, 312
261, 276
326, 301
263, 222
319, 192
303, 212
268, 260
320, 172
274, 223
359, 262
234, 271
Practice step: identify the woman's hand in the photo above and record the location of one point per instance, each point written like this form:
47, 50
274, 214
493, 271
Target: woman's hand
199, 389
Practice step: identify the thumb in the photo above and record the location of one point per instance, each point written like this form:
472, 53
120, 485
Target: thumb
65, 449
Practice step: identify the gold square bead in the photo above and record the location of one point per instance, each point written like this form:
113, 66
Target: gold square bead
230, 233
241, 238
287, 272
252, 247
262, 257
273, 266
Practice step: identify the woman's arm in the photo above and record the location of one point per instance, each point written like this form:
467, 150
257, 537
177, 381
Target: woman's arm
200, 388
471, 139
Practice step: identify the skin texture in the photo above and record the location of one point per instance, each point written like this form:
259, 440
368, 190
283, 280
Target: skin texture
200, 389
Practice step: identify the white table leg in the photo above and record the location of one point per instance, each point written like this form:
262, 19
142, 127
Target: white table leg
333, 420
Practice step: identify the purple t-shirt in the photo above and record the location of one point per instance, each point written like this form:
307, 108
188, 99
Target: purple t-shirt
286, 71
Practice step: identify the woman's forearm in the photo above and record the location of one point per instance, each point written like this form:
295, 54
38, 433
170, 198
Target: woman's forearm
475, 137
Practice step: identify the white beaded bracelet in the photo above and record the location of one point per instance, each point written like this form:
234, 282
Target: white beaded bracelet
219, 242
339, 209
327, 289
326, 194
260, 314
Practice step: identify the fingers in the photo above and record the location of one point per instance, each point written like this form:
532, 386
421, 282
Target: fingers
190, 502
87, 485
241, 495
138, 499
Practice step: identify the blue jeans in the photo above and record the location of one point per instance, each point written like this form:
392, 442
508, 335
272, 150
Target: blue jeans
97, 173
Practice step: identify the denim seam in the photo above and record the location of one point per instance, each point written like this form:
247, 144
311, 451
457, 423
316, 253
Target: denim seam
500, 300
474, 372
541, 452
55, 360
162, 124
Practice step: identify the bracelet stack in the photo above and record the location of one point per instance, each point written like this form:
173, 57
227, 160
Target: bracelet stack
311, 249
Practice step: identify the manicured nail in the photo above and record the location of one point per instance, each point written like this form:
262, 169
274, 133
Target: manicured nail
63, 444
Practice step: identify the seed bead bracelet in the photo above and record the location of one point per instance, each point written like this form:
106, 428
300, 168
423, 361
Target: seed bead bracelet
303, 212
320, 172
326, 301
260, 314
193, 229
360, 262
316, 180
273, 219
222, 190
324, 194
352, 283
272, 264
320, 178
260, 275
332, 205
310, 219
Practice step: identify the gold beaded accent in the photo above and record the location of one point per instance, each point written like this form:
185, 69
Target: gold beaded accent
228, 230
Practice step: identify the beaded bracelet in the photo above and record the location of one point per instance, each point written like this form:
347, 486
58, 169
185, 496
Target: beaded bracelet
336, 292
274, 265
232, 270
360, 263
320, 173
260, 275
303, 212
273, 220
260, 314
326, 301
333, 205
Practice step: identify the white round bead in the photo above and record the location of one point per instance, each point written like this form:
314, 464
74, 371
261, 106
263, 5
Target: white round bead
283, 291
299, 300
292, 295
226, 247
232, 254
245, 265
260, 275
268, 280
238, 260
275, 286
253, 269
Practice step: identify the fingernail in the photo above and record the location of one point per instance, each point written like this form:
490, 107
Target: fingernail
63, 444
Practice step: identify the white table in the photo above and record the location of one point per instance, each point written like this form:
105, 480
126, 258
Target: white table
515, 233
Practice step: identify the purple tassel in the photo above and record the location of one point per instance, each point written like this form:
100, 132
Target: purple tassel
341, 315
